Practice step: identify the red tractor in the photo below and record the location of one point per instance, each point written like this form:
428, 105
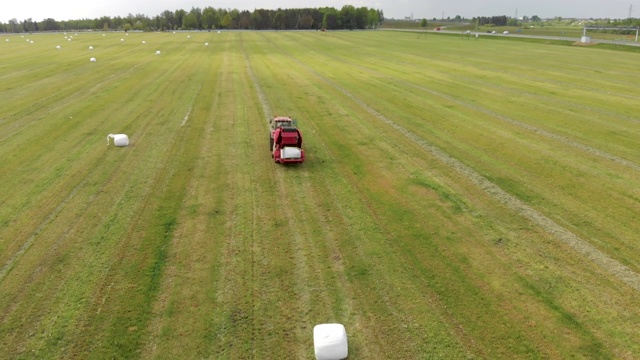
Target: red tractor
285, 142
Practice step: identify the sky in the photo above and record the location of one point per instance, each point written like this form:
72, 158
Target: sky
38, 10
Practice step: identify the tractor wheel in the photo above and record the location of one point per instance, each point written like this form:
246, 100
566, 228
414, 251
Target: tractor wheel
271, 144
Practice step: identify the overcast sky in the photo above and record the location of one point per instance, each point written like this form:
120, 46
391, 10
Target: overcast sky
78, 9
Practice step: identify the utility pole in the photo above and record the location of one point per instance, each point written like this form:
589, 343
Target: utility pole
630, 11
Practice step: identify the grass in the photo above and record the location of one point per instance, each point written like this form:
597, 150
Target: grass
191, 243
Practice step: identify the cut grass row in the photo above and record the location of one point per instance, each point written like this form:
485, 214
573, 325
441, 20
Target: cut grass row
192, 243
348, 119
484, 135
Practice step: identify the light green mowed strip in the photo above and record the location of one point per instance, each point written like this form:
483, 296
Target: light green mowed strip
192, 243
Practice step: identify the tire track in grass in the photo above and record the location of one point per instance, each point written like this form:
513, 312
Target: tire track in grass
620, 271
6, 268
337, 308
345, 213
346, 273
68, 286
547, 99
550, 135
51, 106
180, 294
289, 216
142, 126
155, 223
534, 129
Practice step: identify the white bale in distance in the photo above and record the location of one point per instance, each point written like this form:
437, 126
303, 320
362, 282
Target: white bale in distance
121, 39
7, 40
144, 42
206, 44
330, 342
218, 31
31, 42
92, 59
58, 47
69, 39
158, 52
90, 47
118, 139
103, 35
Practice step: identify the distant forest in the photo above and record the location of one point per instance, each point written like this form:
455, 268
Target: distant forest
347, 18
509, 21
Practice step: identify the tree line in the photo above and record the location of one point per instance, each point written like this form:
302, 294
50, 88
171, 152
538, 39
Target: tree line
347, 18
503, 20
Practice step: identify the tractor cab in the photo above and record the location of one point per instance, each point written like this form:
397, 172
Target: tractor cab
285, 121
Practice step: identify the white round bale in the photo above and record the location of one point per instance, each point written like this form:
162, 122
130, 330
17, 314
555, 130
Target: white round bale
206, 44
58, 47
218, 31
90, 47
158, 52
121, 39
144, 42
93, 60
31, 42
330, 342
118, 139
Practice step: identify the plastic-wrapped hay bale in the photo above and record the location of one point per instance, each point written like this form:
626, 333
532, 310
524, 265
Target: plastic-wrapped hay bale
290, 153
330, 342
93, 60
118, 139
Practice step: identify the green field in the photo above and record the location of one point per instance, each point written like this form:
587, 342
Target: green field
460, 198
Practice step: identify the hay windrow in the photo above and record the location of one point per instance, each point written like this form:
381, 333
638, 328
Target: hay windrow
620, 271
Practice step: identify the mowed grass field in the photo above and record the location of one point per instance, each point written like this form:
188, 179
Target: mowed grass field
460, 198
